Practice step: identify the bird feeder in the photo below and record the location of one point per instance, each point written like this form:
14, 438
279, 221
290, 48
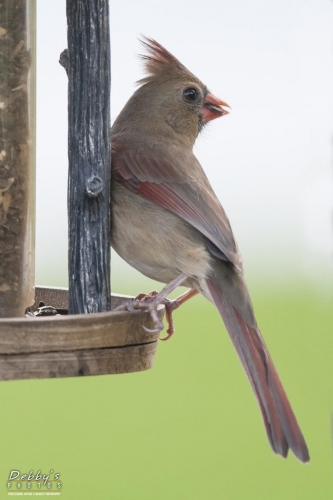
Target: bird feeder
53, 332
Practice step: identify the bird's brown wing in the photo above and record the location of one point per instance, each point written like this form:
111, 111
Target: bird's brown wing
157, 179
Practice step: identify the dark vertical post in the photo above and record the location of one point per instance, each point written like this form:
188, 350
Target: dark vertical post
89, 155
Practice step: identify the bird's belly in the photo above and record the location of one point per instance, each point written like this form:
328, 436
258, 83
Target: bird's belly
156, 242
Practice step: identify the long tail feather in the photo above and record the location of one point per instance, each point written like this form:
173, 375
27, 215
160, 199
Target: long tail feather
281, 425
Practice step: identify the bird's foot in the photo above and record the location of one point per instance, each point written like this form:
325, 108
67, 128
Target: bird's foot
150, 302
143, 302
172, 305
146, 297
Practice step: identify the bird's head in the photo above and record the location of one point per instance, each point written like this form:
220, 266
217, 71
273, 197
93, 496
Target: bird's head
170, 98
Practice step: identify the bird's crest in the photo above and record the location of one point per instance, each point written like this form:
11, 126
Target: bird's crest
160, 63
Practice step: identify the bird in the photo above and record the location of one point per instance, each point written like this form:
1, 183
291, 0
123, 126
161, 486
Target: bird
168, 223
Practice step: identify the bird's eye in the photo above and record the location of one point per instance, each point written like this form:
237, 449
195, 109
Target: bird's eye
190, 94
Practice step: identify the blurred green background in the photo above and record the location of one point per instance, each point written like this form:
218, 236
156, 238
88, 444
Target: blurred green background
189, 428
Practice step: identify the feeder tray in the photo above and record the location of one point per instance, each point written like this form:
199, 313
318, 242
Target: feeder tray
62, 345
75, 345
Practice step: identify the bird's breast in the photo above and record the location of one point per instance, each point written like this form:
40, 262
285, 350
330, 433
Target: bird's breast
153, 240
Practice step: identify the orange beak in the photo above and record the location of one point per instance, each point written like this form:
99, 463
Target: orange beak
213, 108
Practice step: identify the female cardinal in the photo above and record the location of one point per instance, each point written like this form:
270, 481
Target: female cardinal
169, 224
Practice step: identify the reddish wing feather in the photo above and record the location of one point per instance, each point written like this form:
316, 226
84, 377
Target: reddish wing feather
158, 181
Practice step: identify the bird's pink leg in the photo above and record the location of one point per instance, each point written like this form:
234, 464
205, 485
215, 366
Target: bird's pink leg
151, 304
172, 305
